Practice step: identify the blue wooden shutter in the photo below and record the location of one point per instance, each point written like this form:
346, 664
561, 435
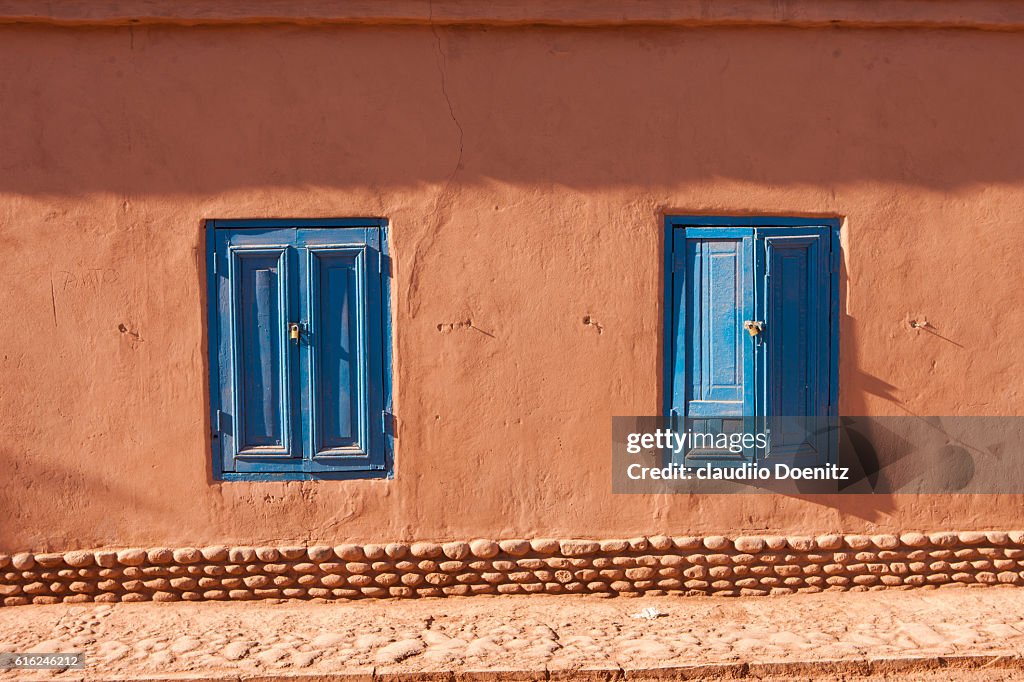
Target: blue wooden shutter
783, 272
794, 300
256, 295
312, 407
714, 359
341, 360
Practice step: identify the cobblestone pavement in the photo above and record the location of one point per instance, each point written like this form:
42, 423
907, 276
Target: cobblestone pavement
904, 633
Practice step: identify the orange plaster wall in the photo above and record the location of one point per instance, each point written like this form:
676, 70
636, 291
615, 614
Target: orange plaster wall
525, 173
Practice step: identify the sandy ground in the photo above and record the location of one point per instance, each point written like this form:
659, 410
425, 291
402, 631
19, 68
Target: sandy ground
943, 634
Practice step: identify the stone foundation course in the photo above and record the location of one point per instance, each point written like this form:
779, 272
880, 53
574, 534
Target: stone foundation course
656, 565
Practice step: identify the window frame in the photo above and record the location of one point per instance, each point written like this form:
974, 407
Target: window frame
213, 341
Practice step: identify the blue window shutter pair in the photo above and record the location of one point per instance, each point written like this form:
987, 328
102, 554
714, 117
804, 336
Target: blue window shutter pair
752, 342
298, 333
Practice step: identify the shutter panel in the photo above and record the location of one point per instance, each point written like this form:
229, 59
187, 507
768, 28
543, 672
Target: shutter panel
255, 289
794, 272
342, 369
714, 296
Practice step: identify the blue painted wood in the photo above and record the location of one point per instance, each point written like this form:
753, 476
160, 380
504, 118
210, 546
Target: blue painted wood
255, 297
784, 271
706, 231
342, 360
794, 278
670, 303
833, 392
719, 298
714, 363
212, 348
259, 308
338, 326
752, 221
387, 416
677, 368
315, 409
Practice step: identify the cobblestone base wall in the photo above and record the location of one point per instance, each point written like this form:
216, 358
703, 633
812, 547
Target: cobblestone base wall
714, 565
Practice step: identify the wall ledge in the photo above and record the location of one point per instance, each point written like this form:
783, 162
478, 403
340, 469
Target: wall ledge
997, 15
657, 565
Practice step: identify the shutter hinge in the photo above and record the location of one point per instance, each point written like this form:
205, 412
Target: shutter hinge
215, 262
387, 422
216, 423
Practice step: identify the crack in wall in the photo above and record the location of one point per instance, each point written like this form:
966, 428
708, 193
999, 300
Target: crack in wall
442, 63
444, 201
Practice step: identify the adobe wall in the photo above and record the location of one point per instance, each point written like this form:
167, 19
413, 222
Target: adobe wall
525, 172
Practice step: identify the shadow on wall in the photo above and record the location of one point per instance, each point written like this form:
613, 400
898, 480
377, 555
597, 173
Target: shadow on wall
69, 488
859, 392
201, 110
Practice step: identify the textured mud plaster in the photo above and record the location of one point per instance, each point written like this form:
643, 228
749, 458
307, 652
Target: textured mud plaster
575, 145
